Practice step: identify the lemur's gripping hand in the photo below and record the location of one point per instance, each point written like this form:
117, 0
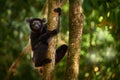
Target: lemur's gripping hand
58, 10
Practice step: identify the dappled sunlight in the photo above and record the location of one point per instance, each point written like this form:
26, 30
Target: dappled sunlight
93, 57
102, 48
103, 36
106, 54
96, 69
109, 53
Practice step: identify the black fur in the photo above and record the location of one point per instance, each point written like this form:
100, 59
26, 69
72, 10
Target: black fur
40, 39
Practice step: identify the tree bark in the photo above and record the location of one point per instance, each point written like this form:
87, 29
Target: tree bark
48, 73
75, 34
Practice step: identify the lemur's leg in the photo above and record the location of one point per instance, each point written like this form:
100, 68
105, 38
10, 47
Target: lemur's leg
60, 53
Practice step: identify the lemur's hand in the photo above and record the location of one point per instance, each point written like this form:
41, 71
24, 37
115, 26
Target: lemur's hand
58, 10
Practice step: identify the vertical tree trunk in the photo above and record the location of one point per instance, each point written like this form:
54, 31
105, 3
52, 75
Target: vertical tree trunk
75, 35
48, 73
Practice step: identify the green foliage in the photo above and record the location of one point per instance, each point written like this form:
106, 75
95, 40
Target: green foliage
100, 38
100, 47
14, 33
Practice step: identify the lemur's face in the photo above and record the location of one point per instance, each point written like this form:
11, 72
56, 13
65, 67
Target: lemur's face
36, 24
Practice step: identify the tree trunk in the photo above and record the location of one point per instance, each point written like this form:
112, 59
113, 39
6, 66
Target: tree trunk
75, 34
48, 73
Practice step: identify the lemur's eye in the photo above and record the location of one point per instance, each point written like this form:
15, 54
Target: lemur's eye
36, 23
33, 23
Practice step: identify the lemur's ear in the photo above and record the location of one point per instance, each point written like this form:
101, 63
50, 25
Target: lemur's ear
43, 20
28, 20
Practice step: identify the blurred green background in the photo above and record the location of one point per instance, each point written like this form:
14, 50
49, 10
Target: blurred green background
100, 47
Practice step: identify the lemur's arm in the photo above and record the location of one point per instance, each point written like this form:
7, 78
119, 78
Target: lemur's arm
58, 10
48, 34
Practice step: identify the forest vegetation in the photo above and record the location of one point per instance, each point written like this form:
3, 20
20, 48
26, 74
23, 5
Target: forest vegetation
100, 43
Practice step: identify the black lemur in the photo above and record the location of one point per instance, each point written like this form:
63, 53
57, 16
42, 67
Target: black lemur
40, 39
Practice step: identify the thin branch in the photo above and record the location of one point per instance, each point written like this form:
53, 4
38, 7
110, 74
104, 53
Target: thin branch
63, 2
16, 63
45, 8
